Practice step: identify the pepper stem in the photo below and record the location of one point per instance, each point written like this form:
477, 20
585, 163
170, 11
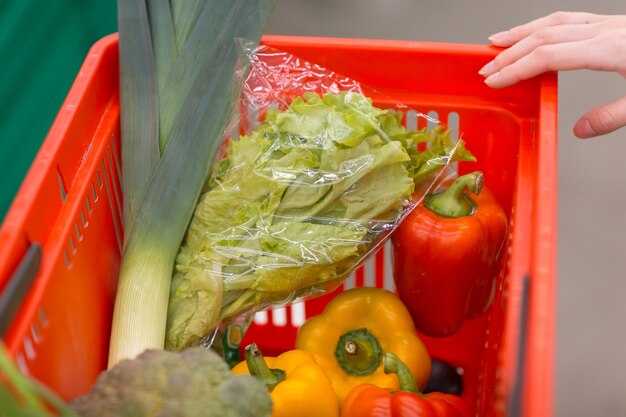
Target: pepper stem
454, 201
394, 365
259, 369
358, 352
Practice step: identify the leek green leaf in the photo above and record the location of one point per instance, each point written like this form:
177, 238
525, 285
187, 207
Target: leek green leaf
139, 107
185, 14
163, 39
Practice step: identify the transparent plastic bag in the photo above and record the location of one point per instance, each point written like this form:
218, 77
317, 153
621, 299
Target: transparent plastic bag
311, 180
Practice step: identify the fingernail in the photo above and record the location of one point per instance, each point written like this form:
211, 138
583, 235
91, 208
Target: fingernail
500, 36
487, 69
493, 77
583, 129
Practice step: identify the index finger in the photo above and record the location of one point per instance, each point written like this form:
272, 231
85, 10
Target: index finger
514, 35
556, 57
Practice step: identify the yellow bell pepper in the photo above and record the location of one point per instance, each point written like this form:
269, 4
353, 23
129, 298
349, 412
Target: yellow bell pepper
349, 338
298, 386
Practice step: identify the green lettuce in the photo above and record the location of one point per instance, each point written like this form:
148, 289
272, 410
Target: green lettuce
296, 205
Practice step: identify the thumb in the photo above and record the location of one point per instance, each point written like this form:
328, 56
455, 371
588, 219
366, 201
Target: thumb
602, 120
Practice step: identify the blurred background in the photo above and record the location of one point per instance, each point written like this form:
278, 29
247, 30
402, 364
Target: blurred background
44, 42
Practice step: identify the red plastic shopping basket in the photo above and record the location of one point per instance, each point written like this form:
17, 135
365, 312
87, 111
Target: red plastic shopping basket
61, 239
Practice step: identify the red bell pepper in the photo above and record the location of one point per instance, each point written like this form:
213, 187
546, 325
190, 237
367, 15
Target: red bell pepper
371, 400
447, 253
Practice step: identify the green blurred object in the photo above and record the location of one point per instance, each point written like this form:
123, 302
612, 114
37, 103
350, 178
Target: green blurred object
43, 44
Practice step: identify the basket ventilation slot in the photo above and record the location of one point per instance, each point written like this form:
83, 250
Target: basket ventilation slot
62, 187
297, 312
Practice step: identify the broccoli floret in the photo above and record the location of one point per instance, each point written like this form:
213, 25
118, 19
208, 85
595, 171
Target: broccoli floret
158, 383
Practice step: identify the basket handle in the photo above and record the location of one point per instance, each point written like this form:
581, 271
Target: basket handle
17, 287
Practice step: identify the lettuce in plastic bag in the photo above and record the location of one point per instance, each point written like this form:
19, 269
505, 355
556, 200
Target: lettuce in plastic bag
296, 206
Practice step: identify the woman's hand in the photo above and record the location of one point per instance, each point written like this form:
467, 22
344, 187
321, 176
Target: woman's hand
565, 41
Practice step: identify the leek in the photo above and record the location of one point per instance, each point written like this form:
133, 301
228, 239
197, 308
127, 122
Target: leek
196, 100
184, 13
164, 39
139, 111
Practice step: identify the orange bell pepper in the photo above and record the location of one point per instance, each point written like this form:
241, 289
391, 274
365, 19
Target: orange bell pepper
447, 253
371, 400
297, 385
